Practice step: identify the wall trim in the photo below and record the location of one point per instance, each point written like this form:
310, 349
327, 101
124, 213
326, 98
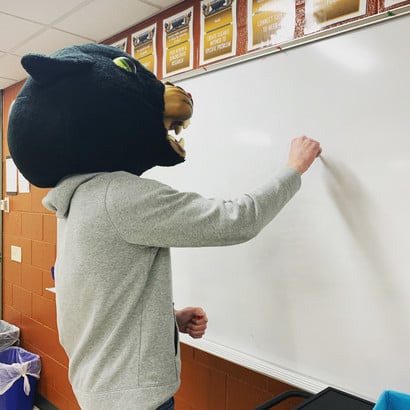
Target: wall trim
268, 369
43, 404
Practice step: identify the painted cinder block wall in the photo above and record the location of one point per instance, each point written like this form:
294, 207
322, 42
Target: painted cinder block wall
26, 302
208, 382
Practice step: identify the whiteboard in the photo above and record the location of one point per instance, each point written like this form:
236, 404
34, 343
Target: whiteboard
322, 296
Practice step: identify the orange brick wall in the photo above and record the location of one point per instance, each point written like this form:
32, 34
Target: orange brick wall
211, 383
26, 303
208, 383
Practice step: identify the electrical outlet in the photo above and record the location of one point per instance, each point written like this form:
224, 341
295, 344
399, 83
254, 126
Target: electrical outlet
16, 253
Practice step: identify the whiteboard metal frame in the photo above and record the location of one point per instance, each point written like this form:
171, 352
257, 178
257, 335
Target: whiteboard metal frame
284, 375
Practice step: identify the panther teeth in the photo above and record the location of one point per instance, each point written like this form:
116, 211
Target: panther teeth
181, 142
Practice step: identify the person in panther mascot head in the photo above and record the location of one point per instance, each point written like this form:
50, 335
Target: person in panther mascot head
87, 123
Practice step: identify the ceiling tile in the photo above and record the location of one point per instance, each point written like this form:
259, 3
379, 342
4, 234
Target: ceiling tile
102, 19
43, 11
164, 3
10, 67
49, 41
15, 31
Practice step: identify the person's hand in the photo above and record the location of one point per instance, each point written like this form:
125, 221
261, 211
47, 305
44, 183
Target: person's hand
303, 151
192, 320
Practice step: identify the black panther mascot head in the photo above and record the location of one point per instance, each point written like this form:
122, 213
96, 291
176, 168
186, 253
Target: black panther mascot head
93, 108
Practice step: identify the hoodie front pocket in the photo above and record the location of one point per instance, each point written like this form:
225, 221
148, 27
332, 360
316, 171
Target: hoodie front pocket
158, 359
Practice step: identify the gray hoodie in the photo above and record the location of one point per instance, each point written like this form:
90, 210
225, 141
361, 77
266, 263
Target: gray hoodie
113, 276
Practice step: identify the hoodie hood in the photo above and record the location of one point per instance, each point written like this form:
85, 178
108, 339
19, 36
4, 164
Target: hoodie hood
58, 200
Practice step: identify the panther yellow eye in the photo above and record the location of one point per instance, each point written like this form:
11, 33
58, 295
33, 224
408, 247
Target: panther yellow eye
126, 64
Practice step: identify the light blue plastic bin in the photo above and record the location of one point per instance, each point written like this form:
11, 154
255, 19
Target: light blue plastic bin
393, 400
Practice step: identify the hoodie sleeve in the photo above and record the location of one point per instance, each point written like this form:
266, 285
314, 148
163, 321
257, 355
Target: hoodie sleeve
148, 213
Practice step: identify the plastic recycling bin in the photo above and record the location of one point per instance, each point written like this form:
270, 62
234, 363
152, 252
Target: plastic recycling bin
9, 335
19, 371
393, 400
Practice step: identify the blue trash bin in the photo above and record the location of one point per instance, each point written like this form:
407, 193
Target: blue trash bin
19, 371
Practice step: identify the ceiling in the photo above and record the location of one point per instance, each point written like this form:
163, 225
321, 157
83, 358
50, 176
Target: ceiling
43, 26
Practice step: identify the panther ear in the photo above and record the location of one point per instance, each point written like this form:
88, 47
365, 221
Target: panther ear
46, 70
